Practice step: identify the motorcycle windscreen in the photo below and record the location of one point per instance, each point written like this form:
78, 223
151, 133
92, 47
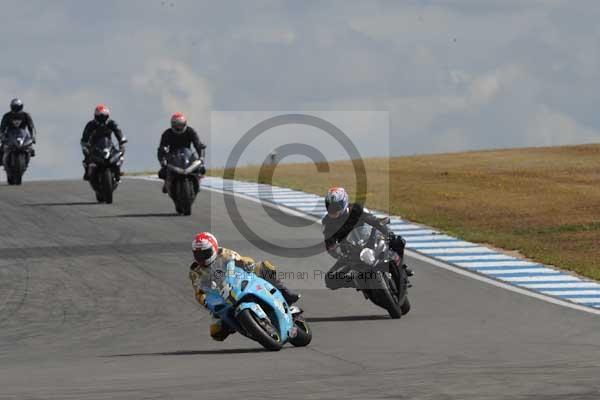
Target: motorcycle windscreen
359, 235
104, 149
182, 158
18, 135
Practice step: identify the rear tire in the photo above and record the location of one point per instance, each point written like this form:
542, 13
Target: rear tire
106, 186
255, 330
304, 335
405, 306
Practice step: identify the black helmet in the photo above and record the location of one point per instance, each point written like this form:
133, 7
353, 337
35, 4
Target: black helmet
16, 105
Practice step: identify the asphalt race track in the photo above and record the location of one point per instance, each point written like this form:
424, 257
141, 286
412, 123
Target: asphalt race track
95, 303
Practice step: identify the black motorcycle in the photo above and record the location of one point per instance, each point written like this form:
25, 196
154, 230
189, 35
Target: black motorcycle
105, 163
371, 267
184, 170
18, 149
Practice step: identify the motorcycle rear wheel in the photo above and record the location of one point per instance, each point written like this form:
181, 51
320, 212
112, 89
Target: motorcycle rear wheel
304, 335
405, 306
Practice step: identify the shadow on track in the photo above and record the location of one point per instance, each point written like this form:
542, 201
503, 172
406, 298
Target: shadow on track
77, 203
148, 215
193, 352
347, 318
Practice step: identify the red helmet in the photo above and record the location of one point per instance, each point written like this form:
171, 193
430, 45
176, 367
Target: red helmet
178, 122
101, 113
205, 248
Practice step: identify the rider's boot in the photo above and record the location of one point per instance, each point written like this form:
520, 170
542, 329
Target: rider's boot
219, 331
289, 296
269, 273
86, 176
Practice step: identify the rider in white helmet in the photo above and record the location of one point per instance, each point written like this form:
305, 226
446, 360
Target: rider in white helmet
208, 270
341, 218
16, 118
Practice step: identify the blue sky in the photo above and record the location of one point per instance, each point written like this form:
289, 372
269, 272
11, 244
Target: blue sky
453, 75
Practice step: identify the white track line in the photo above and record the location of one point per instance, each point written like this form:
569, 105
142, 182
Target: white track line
528, 282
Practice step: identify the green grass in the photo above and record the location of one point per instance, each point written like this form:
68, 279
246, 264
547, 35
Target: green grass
541, 202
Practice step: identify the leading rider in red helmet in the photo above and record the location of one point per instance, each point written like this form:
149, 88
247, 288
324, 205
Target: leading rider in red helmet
100, 126
208, 269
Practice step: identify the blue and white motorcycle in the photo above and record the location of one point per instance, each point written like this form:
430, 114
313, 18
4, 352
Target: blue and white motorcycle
253, 307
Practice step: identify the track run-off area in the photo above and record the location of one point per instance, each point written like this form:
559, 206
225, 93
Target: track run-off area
95, 303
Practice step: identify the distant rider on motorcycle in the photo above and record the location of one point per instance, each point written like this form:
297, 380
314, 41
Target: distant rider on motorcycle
101, 126
341, 218
16, 118
178, 136
208, 270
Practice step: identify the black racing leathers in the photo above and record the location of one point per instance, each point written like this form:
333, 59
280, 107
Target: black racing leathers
21, 120
171, 141
336, 229
94, 131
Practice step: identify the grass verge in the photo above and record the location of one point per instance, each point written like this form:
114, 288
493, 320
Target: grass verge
542, 202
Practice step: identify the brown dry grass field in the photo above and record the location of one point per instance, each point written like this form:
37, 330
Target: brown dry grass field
541, 202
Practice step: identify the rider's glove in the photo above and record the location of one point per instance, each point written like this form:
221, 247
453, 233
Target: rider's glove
396, 243
335, 251
391, 236
85, 149
122, 149
163, 162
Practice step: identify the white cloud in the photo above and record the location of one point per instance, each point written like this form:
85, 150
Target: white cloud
455, 75
484, 88
265, 35
551, 128
177, 85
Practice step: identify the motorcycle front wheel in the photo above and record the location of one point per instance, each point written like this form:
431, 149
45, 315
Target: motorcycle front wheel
20, 163
185, 196
383, 293
106, 186
255, 328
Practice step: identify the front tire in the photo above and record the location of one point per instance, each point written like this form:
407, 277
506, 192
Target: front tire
254, 329
106, 186
19, 168
381, 294
185, 196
